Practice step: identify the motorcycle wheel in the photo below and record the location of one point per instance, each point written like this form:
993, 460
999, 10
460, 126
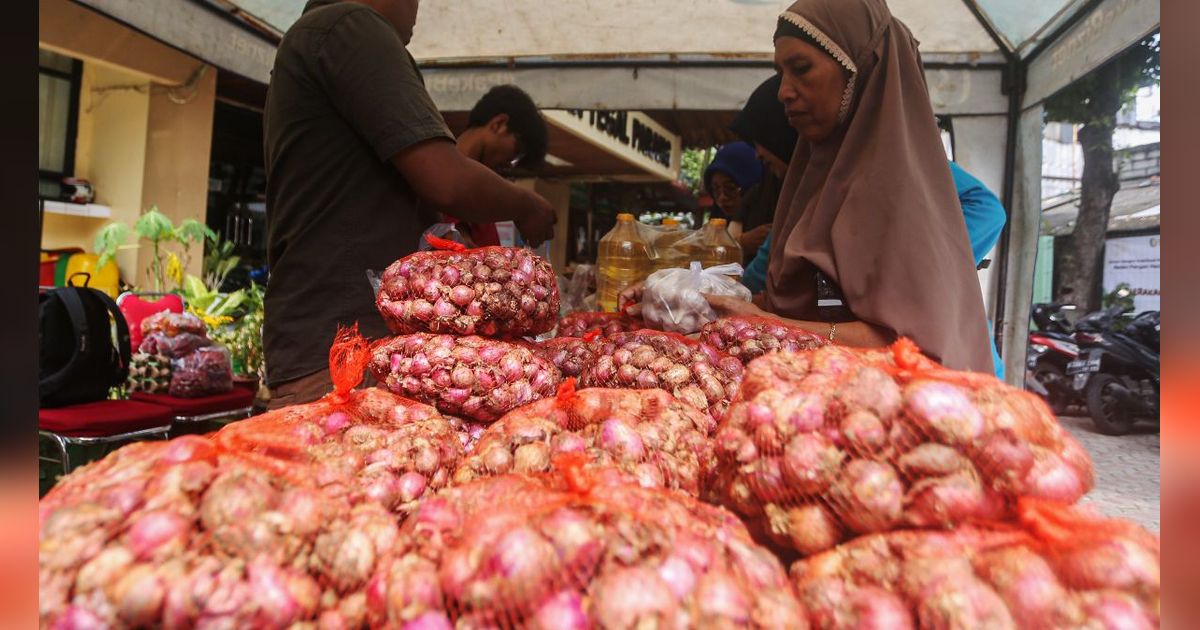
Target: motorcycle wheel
1052, 378
1105, 408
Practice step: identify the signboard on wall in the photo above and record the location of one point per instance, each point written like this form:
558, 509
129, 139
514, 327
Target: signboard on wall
1134, 260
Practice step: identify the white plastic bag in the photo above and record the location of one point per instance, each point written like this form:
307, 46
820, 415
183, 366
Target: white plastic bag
672, 301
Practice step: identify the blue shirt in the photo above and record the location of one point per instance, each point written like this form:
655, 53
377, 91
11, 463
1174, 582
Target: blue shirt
982, 211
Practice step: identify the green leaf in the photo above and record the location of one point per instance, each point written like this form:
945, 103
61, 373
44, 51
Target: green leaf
229, 303
108, 239
193, 288
193, 231
154, 225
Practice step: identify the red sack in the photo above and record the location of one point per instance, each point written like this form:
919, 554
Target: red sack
1058, 567
747, 338
489, 291
571, 355
648, 434
827, 443
273, 520
473, 377
647, 359
576, 324
577, 548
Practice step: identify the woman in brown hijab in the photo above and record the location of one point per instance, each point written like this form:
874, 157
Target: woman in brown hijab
868, 205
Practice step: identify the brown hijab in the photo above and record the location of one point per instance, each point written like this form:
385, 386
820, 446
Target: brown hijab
874, 207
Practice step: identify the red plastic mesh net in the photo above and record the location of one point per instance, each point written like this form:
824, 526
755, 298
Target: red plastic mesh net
1058, 567
656, 440
272, 520
572, 549
576, 324
489, 291
693, 372
747, 338
833, 442
473, 377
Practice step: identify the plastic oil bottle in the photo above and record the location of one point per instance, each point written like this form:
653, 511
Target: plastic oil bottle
669, 255
718, 247
623, 260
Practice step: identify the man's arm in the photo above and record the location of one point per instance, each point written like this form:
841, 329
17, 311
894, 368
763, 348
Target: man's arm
453, 183
388, 107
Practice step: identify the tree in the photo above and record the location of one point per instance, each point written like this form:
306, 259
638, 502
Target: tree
1094, 102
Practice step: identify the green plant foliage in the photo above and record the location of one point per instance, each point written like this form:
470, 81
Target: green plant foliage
1136, 68
109, 239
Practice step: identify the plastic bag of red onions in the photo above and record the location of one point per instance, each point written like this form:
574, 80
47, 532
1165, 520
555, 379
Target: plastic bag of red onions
473, 377
835, 441
577, 548
696, 374
1058, 567
489, 291
650, 435
747, 338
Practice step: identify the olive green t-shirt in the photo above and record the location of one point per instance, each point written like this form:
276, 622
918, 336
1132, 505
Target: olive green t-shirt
345, 97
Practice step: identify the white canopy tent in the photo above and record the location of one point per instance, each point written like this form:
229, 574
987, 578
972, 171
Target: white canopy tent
990, 64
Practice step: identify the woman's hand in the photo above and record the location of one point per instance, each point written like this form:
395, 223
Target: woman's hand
631, 294
751, 240
726, 306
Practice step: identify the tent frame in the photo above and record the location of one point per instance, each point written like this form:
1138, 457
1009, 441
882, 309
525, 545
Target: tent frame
1002, 102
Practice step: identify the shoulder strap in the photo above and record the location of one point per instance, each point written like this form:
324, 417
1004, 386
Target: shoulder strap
75, 313
123, 349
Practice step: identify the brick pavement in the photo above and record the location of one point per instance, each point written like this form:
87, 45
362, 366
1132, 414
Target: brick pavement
1127, 471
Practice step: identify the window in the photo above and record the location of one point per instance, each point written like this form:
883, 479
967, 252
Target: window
58, 113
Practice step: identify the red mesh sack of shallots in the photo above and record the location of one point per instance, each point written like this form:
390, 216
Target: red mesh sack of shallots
647, 359
489, 291
185, 534
569, 354
576, 324
473, 377
650, 435
1060, 567
747, 338
577, 549
273, 520
827, 443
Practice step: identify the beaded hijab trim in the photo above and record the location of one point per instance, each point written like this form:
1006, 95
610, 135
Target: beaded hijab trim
834, 51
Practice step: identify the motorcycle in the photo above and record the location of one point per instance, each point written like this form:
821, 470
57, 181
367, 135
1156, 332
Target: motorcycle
1117, 370
1051, 347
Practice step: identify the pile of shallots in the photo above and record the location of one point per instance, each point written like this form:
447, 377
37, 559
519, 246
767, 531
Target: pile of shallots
693, 372
575, 549
648, 434
1082, 571
271, 521
473, 377
835, 442
490, 291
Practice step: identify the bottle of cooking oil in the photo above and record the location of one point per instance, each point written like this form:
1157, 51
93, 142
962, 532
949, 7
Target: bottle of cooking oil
716, 245
669, 256
624, 259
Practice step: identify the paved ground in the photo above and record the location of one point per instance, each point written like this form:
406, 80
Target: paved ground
1126, 471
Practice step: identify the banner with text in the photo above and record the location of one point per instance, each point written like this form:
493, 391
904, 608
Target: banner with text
1134, 260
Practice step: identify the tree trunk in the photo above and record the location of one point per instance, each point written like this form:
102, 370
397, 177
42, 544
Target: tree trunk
1083, 263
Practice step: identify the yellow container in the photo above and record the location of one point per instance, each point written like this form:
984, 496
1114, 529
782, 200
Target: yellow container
624, 259
106, 278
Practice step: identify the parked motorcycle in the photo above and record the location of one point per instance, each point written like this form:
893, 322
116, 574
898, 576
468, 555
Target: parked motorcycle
1051, 347
1117, 371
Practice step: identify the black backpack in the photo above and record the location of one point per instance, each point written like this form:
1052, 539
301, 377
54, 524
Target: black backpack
79, 361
